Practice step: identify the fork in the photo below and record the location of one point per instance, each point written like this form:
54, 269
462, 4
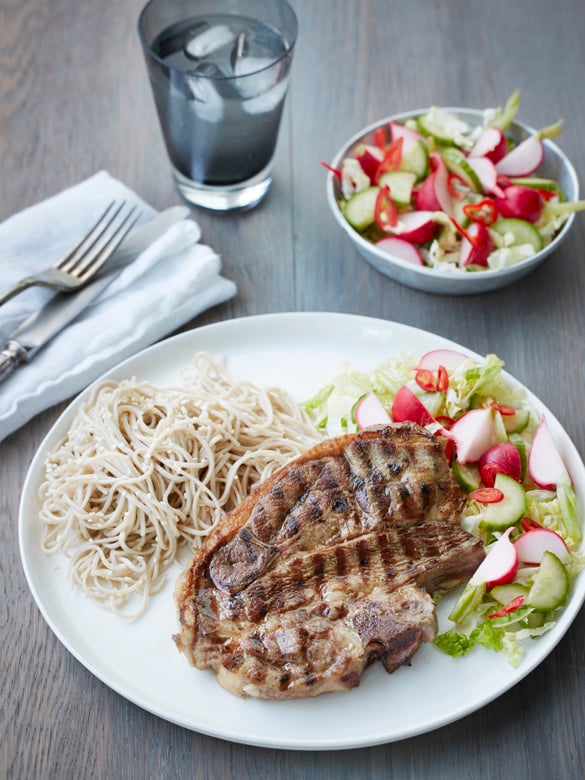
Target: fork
86, 258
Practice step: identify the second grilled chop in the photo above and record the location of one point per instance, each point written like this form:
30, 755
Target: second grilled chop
327, 566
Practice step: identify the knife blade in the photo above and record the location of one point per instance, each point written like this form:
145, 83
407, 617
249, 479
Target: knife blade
41, 326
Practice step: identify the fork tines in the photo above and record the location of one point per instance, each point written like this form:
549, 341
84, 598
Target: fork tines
97, 246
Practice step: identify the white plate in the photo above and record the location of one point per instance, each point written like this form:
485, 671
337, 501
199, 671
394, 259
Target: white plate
139, 660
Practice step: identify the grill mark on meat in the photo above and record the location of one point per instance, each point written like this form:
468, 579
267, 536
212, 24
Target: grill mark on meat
327, 567
294, 506
394, 557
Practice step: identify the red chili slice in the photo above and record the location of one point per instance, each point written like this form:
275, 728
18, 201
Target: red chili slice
503, 409
485, 212
528, 524
489, 472
442, 379
458, 189
391, 159
380, 138
511, 606
335, 171
473, 241
425, 379
487, 495
547, 194
385, 212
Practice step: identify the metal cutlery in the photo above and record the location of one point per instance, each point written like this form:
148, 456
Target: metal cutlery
87, 257
32, 334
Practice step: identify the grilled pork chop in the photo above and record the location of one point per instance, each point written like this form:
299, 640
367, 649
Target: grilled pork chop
327, 566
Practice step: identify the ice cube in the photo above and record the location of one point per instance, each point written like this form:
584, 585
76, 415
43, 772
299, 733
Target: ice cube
175, 42
244, 66
254, 76
208, 103
207, 42
262, 104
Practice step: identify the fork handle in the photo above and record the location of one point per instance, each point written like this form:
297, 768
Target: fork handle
10, 357
23, 284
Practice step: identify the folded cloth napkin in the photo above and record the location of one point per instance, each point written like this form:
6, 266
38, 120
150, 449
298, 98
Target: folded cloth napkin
170, 283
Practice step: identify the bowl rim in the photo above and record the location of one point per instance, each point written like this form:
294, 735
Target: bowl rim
458, 276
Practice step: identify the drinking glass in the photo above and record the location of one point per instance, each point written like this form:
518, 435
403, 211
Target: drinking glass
219, 72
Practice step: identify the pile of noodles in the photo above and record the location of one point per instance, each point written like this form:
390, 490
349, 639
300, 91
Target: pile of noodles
145, 472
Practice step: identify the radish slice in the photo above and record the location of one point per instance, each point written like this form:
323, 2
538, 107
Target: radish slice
369, 411
478, 252
500, 564
441, 184
426, 197
532, 545
501, 458
369, 157
490, 144
433, 194
520, 203
401, 249
448, 358
473, 434
409, 136
545, 464
416, 226
524, 159
487, 174
408, 407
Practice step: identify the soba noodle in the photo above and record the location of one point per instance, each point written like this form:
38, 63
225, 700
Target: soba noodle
145, 472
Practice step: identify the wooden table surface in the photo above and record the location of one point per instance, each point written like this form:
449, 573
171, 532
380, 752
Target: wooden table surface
74, 99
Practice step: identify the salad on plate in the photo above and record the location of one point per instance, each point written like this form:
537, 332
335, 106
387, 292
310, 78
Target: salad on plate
520, 497
439, 192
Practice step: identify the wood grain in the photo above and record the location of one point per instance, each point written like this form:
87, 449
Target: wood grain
74, 99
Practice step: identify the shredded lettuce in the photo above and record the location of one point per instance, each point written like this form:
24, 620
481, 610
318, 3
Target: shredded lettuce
471, 385
330, 408
506, 633
556, 511
468, 385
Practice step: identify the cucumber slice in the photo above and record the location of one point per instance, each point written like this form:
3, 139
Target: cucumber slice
441, 125
467, 476
539, 184
469, 600
401, 184
516, 423
503, 514
460, 216
522, 232
504, 594
520, 445
535, 619
360, 209
416, 160
551, 585
456, 163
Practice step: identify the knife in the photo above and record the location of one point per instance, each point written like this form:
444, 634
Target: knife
41, 326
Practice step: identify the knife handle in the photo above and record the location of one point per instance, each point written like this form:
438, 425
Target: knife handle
10, 357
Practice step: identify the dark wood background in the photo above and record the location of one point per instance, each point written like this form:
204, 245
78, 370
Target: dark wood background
74, 99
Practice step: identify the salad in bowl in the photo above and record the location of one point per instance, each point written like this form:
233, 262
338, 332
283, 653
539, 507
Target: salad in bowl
454, 200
